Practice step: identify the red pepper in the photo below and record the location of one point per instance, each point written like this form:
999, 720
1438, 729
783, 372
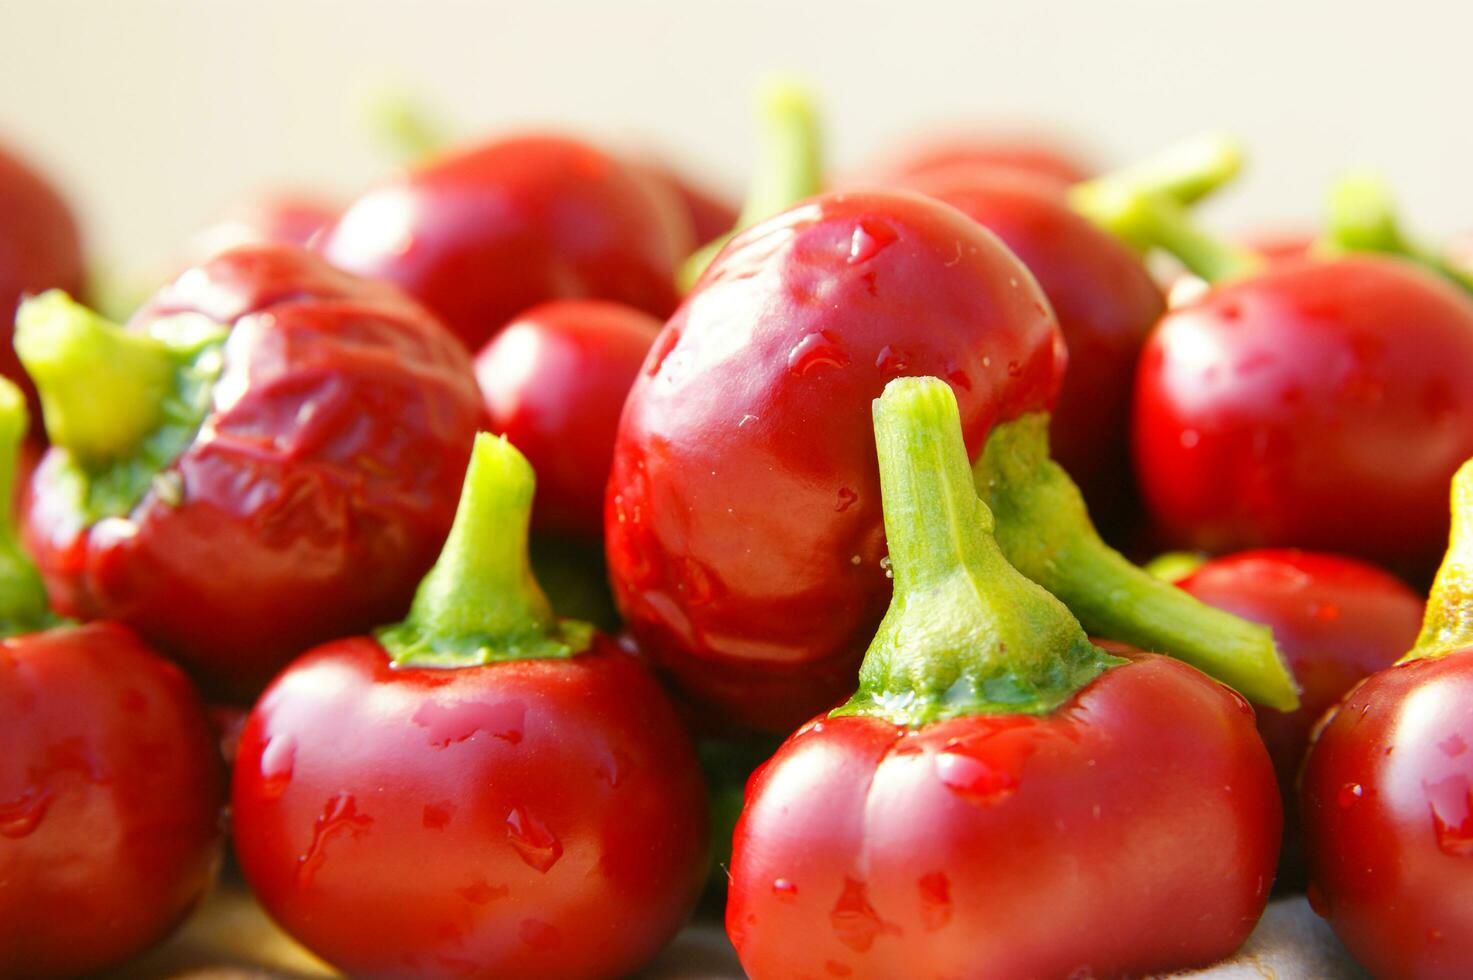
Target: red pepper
1387, 792
1336, 620
284, 217
1000, 798
554, 382
982, 154
710, 215
744, 534
481, 234
266, 459
483, 789
110, 783
40, 249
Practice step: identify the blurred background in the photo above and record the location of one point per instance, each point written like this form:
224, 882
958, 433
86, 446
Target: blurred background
154, 114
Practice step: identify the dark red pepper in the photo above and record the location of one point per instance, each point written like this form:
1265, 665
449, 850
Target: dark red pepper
481, 790
110, 784
1000, 798
1336, 620
1387, 792
265, 459
481, 234
744, 534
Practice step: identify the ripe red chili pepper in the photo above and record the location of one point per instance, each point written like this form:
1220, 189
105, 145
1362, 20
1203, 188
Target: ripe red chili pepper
483, 789
1387, 792
481, 234
1000, 798
110, 785
554, 382
1336, 620
284, 217
983, 153
711, 215
744, 534
40, 249
266, 459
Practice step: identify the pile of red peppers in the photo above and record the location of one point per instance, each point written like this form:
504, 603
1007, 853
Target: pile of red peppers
541, 549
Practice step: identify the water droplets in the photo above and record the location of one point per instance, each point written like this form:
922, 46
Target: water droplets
784, 889
847, 498
1451, 805
21, 816
1349, 795
974, 779
450, 722
869, 239
892, 360
935, 889
815, 352
339, 818
855, 921
887, 567
538, 847
278, 759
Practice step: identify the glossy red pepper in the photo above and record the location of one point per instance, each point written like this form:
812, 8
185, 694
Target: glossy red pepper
983, 153
1001, 798
40, 249
1387, 792
110, 785
1336, 620
710, 214
744, 535
281, 217
482, 790
481, 234
554, 382
266, 459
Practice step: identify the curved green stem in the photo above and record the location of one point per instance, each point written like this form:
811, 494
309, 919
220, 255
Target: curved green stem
1362, 218
1447, 626
1173, 566
788, 167
404, 125
23, 606
965, 633
480, 603
1045, 531
1185, 172
1148, 221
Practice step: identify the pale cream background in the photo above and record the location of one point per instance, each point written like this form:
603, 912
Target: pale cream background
154, 113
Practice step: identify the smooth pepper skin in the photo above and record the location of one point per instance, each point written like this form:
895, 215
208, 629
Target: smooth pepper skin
1131, 831
480, 235
554, 383
40, 249
1106, 301
1387, 798
313, 497
521, 819
284, 216
710, 214
743, 524
1318, 404
1336, 620
110, 797
983, 153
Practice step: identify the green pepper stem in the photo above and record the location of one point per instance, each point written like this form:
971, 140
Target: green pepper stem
1362, 218
1185, 172
1045, 531
965, 633
1147, 221
1173, 566
23, 607
788, 167
403, 125
1447, 626
102, 388
481, 603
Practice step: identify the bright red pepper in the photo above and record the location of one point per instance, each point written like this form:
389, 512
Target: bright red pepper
284, 217
711, 215
1387, 792
266, 459
481, 234
554, 382
1001, 798
744, 535
482, 790
110, 784
1336, 620
983, 153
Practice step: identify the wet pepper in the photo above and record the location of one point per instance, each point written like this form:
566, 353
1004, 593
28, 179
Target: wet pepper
110, 784
937, 823
744, 533
482, 790
481, 234
267, 457
1387, 792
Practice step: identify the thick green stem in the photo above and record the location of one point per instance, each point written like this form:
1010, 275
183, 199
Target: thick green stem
23, 607
1149, 221
1173, 566
1184, 173
480, 603
1447, 625
1362, 218
1045, 531
965, 633
404, 125
788, 167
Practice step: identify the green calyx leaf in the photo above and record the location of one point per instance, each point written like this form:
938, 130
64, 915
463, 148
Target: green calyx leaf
23, 605
481, 604
1362, 218
1447, 625
1044, 530
965, 633
788, 168
123, 405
